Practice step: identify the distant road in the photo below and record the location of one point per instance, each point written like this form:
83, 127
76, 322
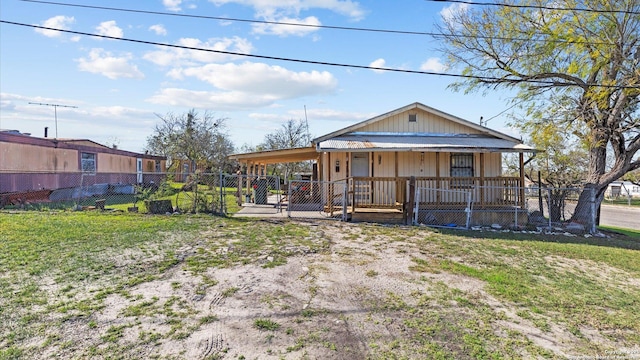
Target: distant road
620, 216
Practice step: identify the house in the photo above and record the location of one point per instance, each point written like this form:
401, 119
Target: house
624, 189
383, 160
29, 163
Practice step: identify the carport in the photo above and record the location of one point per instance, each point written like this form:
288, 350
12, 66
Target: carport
256, 162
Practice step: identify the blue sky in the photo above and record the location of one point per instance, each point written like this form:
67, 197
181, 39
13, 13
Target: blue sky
118, 86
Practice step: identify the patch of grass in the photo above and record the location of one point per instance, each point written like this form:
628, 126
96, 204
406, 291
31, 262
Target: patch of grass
371, 273
635, 234
228, 292
266, 325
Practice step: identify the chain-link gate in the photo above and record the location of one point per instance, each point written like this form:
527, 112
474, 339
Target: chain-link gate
316, 199
443, 208
254, 194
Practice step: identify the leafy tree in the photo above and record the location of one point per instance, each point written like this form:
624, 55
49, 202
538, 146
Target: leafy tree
199, 139
562, 166
633, 177
292, 134
572, 63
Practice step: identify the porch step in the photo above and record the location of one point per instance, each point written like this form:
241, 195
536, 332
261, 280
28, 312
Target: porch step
385, 217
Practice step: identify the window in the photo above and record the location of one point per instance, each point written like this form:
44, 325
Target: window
412, 118
158, 166
462, 167
88, 162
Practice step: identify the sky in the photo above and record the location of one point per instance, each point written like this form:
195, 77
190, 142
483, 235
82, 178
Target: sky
114, 92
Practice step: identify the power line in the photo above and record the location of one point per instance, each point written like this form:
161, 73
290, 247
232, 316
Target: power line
405, 32
315, 62
390, 31
541, 7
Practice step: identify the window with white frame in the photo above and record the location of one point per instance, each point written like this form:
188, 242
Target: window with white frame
88, 162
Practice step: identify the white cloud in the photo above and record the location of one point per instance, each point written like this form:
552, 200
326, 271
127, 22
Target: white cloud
288, 30
266, 8
103, 63
259, 78
159, 29
184, 57
57, 22
378, 63
109, 28
433, 65
172, 5
448, 12
246, 86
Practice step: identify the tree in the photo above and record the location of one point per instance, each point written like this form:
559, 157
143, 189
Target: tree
292, 134
575, 65
199, 139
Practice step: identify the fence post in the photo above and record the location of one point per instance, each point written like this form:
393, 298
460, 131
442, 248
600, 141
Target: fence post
592, 196
221, 182
289, 198
468, 209
549, 205
345, 193
412, 200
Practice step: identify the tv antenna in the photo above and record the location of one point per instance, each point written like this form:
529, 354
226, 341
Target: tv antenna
55, 111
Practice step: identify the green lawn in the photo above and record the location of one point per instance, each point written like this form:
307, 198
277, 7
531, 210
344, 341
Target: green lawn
58, 270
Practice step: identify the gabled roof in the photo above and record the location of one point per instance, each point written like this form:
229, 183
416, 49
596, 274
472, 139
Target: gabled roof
420, 142
417, 105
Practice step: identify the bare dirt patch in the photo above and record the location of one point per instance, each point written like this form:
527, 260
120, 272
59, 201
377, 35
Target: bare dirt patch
360, 297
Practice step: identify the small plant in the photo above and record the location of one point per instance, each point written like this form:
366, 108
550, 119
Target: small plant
266, 324
230, 291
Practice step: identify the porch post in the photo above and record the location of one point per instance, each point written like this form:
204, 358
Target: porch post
482, 190
399, 198
438, 194
521, 185
412, 201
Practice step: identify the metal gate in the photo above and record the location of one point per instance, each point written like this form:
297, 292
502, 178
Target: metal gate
316, 199
255, 194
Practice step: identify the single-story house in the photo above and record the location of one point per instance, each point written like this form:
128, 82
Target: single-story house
624, 189
383, 159
29, 163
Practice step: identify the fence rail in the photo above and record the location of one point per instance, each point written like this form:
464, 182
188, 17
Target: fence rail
511, 207
432, 201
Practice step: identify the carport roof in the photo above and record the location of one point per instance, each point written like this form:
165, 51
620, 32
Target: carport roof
277, 156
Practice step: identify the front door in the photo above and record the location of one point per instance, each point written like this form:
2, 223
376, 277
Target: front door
360, 165
360, 168
139, 170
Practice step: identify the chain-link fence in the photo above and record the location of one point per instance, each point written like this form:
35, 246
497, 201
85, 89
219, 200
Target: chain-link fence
504, 207
316, 199
252, 195
570, 209
442, 208
144, 192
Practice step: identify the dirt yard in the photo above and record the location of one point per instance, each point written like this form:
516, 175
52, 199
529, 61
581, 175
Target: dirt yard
369, 292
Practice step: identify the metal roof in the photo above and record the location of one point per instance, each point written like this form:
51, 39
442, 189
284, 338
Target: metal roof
416, 105
277, 156
428, 143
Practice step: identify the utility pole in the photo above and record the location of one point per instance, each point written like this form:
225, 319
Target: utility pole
55, 111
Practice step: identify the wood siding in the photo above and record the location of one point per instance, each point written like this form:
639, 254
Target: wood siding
411, 163
425, 123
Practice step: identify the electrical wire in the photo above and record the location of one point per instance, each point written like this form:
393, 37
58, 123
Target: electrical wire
346, 28
541, 7
315, 62
231, 19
